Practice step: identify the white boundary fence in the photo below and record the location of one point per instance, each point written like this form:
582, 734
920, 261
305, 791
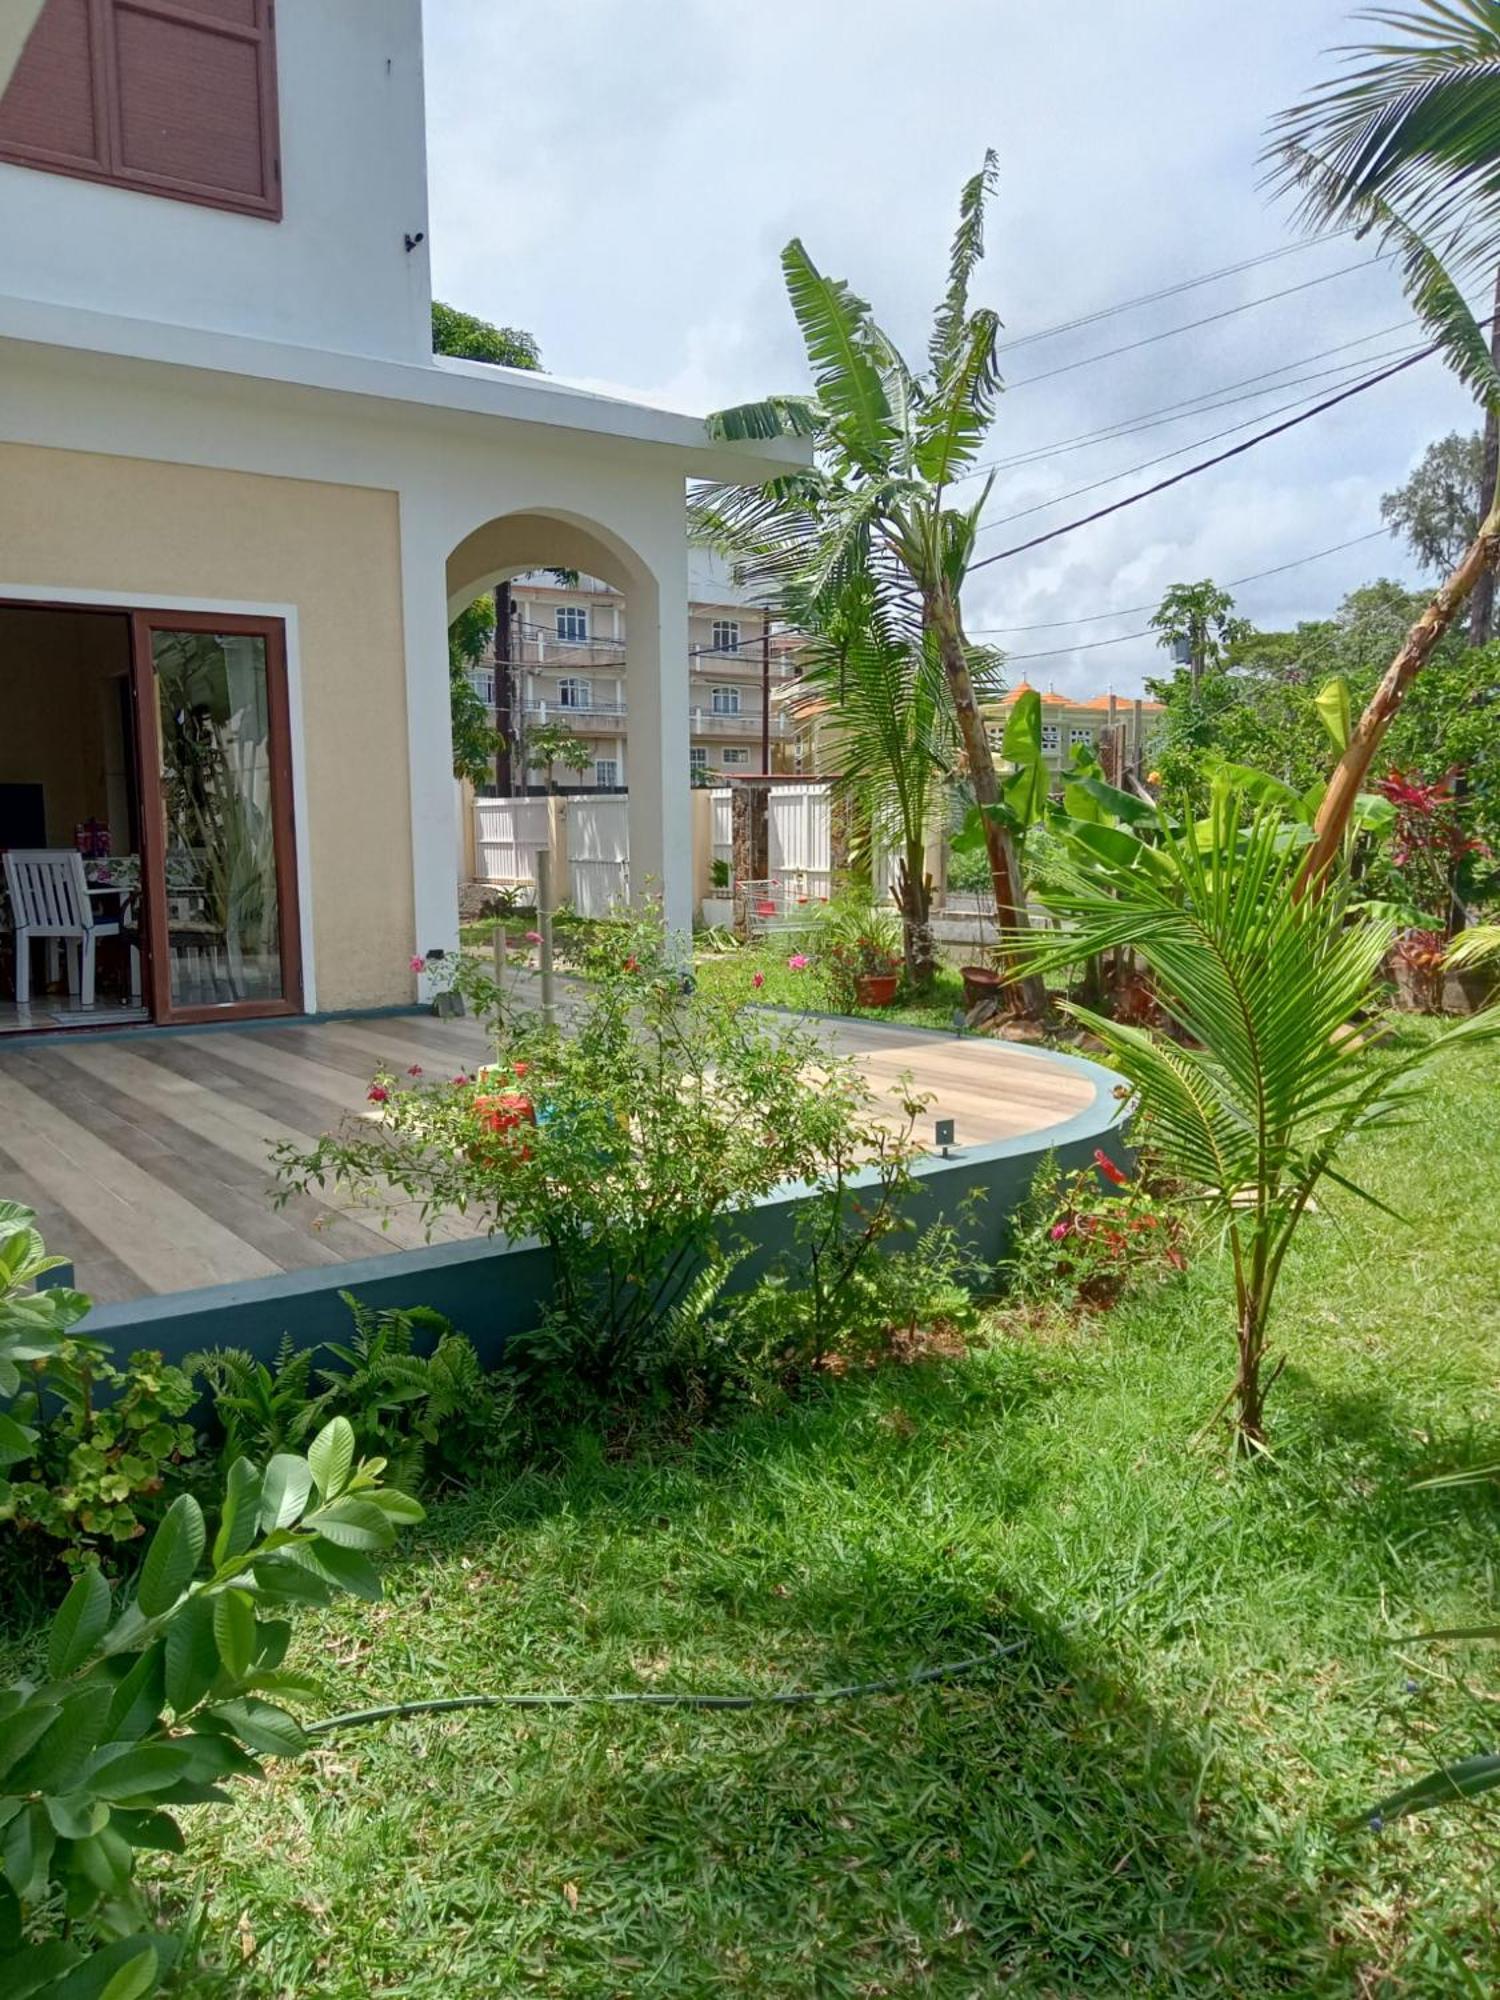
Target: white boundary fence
800, 837
598, 854
507, 835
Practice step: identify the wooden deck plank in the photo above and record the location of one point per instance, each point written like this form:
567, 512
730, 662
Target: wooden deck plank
96, 1269
167, 1242
214, 1180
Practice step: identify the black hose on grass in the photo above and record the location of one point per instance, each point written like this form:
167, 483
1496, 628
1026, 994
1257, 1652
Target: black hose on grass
949, 1670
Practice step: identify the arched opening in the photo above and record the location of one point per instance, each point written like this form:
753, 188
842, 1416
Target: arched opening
592, 699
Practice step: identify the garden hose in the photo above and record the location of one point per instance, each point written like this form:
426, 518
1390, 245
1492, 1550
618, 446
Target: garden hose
949, 1670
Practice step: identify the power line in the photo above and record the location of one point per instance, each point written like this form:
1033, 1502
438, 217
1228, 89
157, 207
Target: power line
1207, 464
1191, 326
1170, 291
1221, 398
1145, 465
1133, 610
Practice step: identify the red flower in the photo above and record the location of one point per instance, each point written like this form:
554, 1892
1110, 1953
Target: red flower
500, 1114
378, 1094
1108, 1168
521, 1068
415, 1070
459, 1082
632, 965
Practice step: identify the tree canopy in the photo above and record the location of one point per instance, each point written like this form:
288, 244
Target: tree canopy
1438, 511
467, 338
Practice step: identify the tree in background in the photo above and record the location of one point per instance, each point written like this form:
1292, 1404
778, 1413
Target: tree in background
1437, 512
466, 338
892, 442
476, 741
1197, 620
554, 743
1405, 146
475, 738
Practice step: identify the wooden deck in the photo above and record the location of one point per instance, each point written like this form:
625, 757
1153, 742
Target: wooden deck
146, 1157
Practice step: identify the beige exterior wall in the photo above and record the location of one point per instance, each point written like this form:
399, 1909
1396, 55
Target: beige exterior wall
169, 533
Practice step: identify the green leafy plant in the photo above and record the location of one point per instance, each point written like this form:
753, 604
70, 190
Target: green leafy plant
853, 940
1087, 1238
150, 1706
106, 1443
429, 1416
1253, 1098
719, 873
626, 1144
33, 1322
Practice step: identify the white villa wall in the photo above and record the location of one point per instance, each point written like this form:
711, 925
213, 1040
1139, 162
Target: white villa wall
334, 272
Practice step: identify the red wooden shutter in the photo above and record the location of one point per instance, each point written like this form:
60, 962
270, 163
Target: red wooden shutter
175, 97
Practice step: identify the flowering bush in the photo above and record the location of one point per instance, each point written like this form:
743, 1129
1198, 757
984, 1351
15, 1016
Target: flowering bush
626, 1143
852, 941
1084, 1238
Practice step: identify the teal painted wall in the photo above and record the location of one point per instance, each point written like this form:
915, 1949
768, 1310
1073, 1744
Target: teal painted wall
491, 1289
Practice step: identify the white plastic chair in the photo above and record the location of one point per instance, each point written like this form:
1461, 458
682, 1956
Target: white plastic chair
49, 899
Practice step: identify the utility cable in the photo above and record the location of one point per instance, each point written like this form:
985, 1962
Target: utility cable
1207, 464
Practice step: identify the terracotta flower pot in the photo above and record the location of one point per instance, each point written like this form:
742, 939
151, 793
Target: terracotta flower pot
877, 989
981, 982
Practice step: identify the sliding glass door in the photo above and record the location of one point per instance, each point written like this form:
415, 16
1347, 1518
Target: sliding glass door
218, 852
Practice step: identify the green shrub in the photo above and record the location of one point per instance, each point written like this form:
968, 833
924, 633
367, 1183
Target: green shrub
151, 1706
105, 1442
628, 1145
430, 1417
1086, 1238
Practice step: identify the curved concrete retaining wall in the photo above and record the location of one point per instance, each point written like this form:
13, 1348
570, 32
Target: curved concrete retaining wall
494, 1288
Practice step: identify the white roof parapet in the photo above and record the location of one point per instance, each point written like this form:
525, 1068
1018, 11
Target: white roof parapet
459, 388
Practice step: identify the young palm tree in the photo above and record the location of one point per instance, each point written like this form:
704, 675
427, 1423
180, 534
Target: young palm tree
1405, 146
1255, 1103
892, 442
891, 736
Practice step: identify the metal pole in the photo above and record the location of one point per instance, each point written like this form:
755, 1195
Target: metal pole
505, 701
544, 925
765, 694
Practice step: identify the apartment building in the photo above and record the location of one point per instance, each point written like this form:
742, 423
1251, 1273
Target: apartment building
569, 653
1113, 725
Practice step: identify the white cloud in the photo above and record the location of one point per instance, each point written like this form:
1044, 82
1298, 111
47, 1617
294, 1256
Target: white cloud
619, 176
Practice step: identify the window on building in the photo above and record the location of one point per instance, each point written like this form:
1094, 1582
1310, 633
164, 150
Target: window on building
574, 693
1051, 736
736, 756
572, 623
169, 97
726, 701
1080, 733
698, 757
726, 635
606, 773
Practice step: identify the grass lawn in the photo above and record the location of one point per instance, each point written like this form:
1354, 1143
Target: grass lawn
1146, 1800
732, 974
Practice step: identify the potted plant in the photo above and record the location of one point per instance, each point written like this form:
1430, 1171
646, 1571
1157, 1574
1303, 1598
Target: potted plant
718, 908
981, 983
858, 949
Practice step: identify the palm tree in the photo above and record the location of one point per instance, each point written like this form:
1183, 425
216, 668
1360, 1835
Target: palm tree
1405, 146
892, 443
891, 736
1254, 1099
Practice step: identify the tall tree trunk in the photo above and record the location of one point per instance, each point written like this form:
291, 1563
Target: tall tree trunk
914, 900
1482, 603
1384, 705
940, 614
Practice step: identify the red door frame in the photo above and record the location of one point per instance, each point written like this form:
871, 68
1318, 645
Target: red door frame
155, 934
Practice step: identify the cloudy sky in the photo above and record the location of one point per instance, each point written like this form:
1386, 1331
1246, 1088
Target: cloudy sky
619, 176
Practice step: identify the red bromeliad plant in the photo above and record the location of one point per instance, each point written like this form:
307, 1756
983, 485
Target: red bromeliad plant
1429, 844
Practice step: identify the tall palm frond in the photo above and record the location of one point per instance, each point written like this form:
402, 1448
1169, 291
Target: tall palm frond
1413, 124
963, 260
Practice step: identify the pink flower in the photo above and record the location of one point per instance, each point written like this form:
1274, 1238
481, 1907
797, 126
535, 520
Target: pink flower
757, 980
798, 962
533, 937
418, 964
1058, 1231
378, 1094
415, 1070
459, 1081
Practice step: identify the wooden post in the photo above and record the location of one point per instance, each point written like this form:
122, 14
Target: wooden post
544, 925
